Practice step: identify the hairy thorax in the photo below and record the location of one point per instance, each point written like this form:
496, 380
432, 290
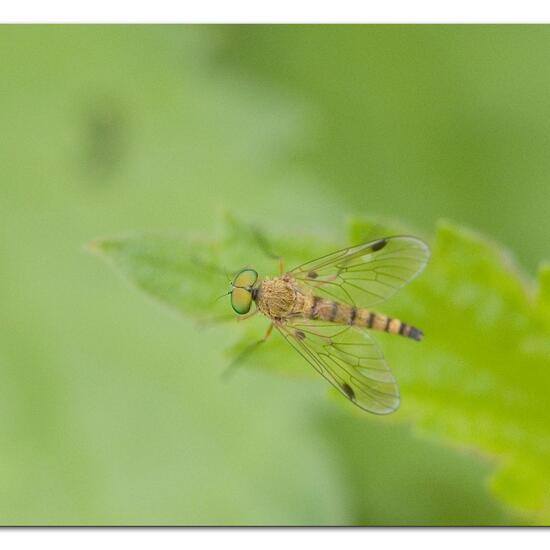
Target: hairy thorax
277, 297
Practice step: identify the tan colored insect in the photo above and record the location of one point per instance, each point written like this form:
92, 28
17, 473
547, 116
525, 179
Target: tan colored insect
320, 307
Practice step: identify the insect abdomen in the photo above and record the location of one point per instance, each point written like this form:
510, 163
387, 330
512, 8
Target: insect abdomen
344, 314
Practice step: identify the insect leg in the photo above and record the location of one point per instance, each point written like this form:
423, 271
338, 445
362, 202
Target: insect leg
268, 332
247, 316
244, 354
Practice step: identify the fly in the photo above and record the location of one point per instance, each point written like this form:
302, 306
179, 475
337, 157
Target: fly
322, 309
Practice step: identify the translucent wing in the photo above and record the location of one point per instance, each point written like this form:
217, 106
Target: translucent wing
368, 273
349, 359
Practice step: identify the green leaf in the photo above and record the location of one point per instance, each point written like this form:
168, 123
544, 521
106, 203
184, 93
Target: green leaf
481, 377
177, 271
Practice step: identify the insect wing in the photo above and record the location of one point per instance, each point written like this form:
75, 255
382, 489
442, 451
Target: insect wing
349, 359
368, 273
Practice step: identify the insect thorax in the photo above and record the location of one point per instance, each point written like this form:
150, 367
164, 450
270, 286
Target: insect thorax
277, 297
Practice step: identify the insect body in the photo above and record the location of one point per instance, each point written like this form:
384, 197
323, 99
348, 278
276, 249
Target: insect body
281, 299
322, 308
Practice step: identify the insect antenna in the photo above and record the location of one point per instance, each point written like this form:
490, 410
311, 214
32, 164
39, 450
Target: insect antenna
220, 297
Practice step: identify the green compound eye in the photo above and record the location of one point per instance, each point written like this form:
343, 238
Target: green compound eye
241, 300
241, 295
245, 278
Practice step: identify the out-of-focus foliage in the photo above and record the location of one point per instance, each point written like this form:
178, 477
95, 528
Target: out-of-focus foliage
450, 117
482, 374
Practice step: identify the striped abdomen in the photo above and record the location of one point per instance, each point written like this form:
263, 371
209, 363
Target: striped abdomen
344, 314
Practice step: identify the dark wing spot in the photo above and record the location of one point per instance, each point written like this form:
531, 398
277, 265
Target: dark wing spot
313, 275
300, 335
348, 391
378, 245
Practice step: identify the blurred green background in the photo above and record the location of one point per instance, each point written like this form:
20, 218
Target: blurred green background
113, 410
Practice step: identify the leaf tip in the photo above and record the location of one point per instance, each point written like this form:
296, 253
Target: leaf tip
98, 247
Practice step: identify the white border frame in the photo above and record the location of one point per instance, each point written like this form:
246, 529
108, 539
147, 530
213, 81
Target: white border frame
270, 11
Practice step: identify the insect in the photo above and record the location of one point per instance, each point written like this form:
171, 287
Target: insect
322, 309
